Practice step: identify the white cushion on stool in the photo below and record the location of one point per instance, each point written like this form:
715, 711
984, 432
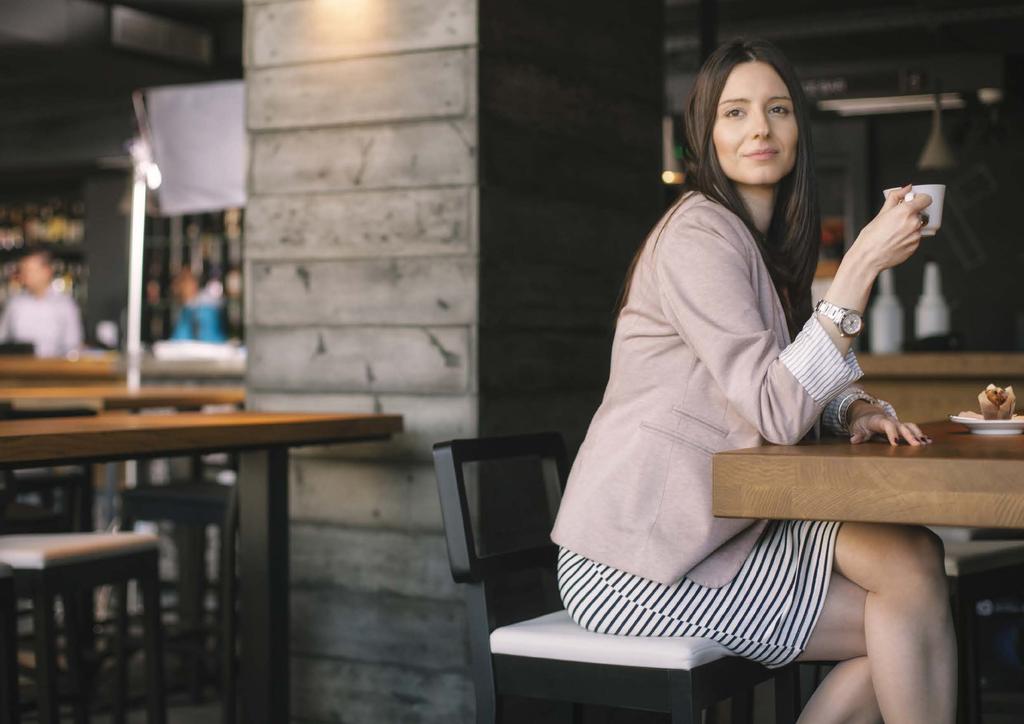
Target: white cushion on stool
38, 551
975, 556
557, 636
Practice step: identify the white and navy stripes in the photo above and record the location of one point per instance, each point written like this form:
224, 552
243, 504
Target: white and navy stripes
766, 613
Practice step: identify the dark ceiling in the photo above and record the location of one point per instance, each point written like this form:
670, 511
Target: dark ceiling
814, 32
194, 10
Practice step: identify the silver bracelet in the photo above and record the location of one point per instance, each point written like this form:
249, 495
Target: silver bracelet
847, 402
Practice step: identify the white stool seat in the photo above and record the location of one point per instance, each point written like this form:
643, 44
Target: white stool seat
976, 556
557, 636
39, 551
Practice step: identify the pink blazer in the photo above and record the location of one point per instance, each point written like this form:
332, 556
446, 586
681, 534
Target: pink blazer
695, 369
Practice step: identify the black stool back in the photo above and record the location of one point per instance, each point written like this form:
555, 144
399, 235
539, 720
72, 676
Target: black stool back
499, 497
8, 649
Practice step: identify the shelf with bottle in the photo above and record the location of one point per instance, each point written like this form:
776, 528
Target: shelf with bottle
194, 259
55, 222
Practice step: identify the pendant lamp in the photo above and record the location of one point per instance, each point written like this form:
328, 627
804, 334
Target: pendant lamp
936, 154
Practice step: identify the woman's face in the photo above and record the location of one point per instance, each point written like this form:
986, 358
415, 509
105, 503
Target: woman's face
755, 132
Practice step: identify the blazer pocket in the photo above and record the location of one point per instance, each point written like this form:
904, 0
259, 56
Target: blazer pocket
721, 431
675, 436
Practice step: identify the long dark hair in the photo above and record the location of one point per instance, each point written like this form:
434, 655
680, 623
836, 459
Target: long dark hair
790, 246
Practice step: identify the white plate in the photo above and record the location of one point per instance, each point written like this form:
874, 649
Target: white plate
990, 427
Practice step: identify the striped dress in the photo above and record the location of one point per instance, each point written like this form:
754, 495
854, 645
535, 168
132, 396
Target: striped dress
766, 613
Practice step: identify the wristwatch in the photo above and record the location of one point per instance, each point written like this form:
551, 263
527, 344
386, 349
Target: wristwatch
848, 321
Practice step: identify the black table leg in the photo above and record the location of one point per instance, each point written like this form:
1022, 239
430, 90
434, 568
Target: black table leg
263, 561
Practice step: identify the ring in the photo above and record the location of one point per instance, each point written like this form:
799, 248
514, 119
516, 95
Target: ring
924, 219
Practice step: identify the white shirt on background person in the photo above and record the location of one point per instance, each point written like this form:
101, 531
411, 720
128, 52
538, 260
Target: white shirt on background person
51, 322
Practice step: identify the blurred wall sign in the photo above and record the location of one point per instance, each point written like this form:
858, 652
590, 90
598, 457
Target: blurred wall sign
197, 134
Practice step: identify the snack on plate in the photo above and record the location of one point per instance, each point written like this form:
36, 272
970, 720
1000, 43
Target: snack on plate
970, 415
997, 403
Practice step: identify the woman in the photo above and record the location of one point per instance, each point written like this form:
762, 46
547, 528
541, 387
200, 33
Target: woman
716, 347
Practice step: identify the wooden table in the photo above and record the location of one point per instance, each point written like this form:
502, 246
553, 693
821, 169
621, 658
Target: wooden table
960, 479
34, 371
119, 397
263, 440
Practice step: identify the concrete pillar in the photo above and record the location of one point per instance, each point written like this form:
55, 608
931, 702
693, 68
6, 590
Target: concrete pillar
443, 198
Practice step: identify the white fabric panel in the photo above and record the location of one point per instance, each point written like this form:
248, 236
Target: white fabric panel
556, 636
198, 141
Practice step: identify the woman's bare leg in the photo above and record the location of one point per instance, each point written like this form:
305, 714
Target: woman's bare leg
846, 696
906, 623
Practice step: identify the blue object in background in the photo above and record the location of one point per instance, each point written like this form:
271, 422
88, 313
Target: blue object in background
202, 322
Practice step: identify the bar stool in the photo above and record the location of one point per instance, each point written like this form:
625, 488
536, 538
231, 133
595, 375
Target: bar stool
46, 566
197, 504
65, 565
9, 707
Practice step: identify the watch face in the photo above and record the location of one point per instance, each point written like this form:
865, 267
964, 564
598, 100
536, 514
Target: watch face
851, 324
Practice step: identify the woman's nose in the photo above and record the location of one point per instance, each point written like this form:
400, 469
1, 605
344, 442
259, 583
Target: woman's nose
759, 125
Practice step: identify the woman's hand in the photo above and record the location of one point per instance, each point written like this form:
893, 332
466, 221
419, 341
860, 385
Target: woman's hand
895, 233
869, 420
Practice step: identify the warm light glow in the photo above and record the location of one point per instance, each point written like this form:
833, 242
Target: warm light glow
350, 27
672, 177
889, 104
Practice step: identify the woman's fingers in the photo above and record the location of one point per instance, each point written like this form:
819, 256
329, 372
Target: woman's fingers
909, 435
895, 197
919, 203
917, 431
891, 431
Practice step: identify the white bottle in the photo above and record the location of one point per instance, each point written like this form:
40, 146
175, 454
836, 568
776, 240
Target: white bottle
932, 314
885, 318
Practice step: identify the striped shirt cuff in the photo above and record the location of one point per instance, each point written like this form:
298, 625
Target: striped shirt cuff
814, 361
851, 362
835, 416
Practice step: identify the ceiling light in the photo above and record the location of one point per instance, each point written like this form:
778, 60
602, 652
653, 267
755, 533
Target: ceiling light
889, 104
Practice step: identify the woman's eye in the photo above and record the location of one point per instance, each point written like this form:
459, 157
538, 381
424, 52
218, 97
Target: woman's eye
732, 113
780, 110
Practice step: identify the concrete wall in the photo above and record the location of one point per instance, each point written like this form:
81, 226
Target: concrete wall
391, 267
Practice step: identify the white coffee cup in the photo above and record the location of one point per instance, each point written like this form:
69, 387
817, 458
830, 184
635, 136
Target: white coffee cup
933, 211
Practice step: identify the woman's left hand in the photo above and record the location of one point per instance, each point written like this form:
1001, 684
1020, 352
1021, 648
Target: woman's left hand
873, 420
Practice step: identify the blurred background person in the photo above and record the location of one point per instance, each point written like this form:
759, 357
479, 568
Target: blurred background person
201, 316
38, 314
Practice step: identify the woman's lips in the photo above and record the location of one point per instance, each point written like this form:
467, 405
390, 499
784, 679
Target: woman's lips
762, 155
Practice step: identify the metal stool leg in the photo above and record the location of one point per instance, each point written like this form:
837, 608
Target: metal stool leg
46, 656
74, 624
228, 540
120, 695
150, 585
8, 653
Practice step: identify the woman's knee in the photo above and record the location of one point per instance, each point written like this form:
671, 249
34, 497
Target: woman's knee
891, 559
915, 564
